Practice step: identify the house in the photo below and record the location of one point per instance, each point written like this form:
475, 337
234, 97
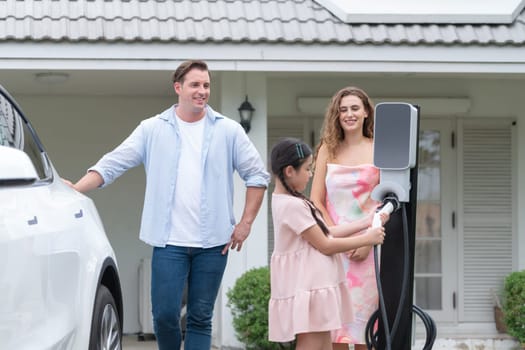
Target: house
111, 62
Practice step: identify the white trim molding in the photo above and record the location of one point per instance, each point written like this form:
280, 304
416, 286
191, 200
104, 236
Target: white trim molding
266, 57
430, 106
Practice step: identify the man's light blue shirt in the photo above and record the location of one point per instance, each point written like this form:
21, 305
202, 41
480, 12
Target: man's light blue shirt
156, 144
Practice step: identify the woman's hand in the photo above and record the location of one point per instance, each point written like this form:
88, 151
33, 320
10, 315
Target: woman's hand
384, 218
368, 218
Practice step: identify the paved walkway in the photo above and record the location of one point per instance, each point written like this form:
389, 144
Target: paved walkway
131, 342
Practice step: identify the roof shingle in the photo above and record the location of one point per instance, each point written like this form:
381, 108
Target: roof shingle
253, 21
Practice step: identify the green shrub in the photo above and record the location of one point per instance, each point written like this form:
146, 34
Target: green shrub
514, 305
248, 301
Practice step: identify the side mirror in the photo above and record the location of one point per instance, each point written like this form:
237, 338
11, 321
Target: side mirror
16, 168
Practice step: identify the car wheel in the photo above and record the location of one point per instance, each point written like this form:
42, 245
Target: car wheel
105, 328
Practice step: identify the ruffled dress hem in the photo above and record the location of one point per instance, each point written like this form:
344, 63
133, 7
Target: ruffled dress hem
317, 310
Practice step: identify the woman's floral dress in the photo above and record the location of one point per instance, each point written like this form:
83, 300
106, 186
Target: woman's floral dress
348, 190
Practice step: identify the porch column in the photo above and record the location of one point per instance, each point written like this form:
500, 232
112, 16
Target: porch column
234, 86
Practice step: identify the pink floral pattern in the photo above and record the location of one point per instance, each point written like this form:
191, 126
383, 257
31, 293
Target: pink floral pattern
348, 190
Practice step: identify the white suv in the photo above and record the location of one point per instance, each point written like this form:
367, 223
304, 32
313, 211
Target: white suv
59, 283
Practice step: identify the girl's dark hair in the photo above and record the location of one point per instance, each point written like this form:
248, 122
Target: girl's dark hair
291, 151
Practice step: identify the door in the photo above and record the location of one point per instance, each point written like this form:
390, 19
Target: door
23, 270
435, 273
39, 271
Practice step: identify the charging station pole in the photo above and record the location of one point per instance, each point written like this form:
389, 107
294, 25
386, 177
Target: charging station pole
391, 272
393, 139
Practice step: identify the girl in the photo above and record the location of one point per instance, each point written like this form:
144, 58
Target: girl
309, 297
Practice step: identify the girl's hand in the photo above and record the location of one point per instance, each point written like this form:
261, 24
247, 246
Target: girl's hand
360, 254
376, 235
349, 254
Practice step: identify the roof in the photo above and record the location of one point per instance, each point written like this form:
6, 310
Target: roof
234, 21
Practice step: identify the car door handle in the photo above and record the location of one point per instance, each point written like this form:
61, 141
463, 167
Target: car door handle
33, 221
79, 214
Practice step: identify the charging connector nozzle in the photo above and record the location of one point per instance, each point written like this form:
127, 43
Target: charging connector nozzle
390, 204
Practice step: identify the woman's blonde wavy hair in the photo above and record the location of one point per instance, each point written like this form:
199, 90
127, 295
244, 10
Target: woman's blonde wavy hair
332, 132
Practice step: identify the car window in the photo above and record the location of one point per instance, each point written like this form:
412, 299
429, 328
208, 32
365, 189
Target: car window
15, 133
10, 125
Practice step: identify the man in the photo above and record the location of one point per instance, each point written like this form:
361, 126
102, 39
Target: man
190, 153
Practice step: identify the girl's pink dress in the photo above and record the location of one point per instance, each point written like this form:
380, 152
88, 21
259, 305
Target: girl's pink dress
348, 190
308, 289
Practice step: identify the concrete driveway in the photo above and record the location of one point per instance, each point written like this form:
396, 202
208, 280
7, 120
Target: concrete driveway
131, 342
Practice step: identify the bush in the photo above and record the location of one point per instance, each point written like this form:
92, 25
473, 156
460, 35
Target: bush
514, 306
248, 301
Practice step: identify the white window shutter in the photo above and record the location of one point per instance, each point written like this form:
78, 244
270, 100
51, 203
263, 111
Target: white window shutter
487, 196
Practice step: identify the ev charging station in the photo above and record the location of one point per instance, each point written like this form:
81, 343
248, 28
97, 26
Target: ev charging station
396, 134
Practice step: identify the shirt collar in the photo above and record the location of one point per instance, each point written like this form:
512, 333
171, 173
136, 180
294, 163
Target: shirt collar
169, 115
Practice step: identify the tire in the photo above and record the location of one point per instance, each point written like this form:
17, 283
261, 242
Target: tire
106, 333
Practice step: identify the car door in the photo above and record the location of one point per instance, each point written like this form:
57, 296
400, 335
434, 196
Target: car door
22, 272
39, 251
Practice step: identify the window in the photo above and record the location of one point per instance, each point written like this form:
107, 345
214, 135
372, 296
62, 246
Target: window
16, 133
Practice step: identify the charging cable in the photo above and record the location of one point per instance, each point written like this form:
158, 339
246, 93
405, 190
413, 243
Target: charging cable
391, 204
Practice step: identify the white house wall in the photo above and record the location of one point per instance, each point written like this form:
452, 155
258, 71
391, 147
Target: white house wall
78, 129
490, 96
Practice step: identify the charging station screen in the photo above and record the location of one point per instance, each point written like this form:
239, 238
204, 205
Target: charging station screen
392, 136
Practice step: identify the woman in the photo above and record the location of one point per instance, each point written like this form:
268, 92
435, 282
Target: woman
343, 181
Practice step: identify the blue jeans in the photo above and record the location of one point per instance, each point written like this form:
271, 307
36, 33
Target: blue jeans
171, 268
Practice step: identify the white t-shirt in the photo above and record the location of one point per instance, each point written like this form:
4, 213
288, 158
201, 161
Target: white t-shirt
185, 215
